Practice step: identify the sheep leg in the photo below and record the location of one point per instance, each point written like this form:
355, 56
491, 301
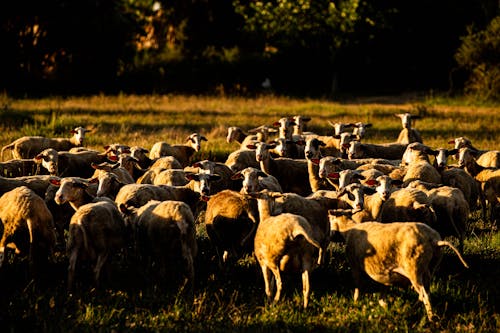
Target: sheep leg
305, 286
267, 282
71, 270
101, 260
2, 255
279, 283
423, 296
356, 274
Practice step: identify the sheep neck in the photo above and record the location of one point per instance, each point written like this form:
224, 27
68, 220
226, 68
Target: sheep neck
268, 165
81, 200
264, 206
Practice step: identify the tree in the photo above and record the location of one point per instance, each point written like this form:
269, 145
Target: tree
320, 26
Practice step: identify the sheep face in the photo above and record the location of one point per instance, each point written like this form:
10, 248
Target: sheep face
355, 150
327, 166
251, 179
285, 127
79, 135
262, 151
355, 195
465, 157
194, 141
461, 142
340, 128
106, 182
383, 186
300, 123
348, 176
70, 189
360, 129
49, 159
202, 181
442, 156
232, 133
312, 149
280, 148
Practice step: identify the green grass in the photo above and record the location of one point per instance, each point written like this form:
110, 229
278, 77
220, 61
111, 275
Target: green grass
465, 300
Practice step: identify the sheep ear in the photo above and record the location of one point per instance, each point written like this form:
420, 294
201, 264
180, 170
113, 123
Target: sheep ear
124, 209
452, 152
368, 190
306, 119
276, 124
399, 115
93, 181
333, 175
192, 176
251, 146
415, 117
396, 182
202, 138
315, 161
196, 165
368, 125
55, 181
214, 177
113, 158
321, 143
95, 166
358, 176
72, 131
371, 182
237, 176
336, 136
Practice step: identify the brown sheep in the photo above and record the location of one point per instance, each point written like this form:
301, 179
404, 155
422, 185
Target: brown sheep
30, 146
392, 253
28, 227
284, 242
230, 220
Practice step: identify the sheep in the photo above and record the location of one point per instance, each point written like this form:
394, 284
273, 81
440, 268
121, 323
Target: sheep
28, 227
393, 253
300, 126
408, 204
289, 172
255, 180
183, 153
340, 127
360, 129
390, 151
235, 133
485, 158
226, 181
96, 231
74, 190
137, 195
171, 177
313, 155
452, 210
140, 154
159, 165
66, 164
30, 146
110, 179
19, 168
489, 178
284, 242
421, 170
294, 146
408, 134
230, 220
116, 149
346, 177
416, 151
37, 183
165, 234
241, 159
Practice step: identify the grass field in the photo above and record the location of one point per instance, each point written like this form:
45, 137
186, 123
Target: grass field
234, 301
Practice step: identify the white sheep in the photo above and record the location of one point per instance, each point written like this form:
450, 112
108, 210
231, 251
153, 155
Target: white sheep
241, 159
408, 134
66, 164
284, 242
255, 180
393, 253
28, 227
360, 129
37, 183
390, 151
485, 158
165, 235
30, 146
313, 156
261, 133
182, 152
408, 204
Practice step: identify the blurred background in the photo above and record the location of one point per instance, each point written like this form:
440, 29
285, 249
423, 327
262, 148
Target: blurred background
302, 48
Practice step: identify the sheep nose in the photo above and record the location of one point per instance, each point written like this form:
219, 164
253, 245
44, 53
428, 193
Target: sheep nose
259, 157
308, 154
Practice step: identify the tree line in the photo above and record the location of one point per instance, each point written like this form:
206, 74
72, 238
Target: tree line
301, 47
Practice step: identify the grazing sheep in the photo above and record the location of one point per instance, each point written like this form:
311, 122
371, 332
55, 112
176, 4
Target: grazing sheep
66, 164
96, 231
290, 173
30, 146
231, 219
19, 168
452, 210
408, 134
165, 236
393, 253
183, 153
28, 227
489, 178
255, 180
241, 159
390, 151
284, 242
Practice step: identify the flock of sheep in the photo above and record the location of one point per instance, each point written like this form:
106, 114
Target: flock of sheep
283, 195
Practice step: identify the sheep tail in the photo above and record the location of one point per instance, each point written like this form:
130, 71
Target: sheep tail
445, 243
300, 231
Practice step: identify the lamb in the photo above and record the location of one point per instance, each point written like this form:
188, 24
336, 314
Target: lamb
284, 242
165, 235
183, 153
66, 164
231, 219
408, 134
489, 178
390, 151
255, 180
393, 253
19, 168
452, 210
289, 172
30, 146
28, 227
